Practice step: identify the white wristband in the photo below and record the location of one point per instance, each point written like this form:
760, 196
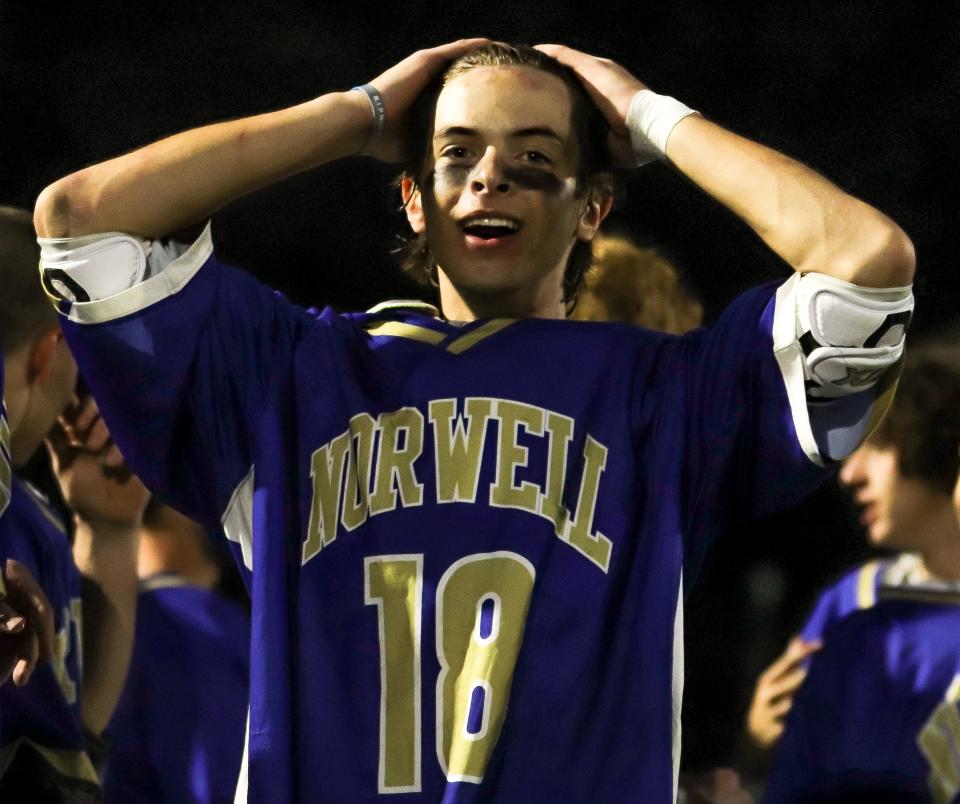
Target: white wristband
651, 118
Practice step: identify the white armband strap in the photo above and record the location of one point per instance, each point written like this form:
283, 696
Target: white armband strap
650, 119
849, 336
83, 269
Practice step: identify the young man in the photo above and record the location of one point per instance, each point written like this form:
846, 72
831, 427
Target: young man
902, 477
466, 536
866, 717
45, 724
177, 733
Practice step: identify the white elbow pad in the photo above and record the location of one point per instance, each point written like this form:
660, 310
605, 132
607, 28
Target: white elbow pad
848, 335
83, 269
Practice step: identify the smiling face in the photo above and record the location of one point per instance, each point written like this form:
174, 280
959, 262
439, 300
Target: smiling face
896, 510
499, 202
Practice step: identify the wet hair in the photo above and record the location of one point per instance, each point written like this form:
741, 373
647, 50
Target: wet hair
636, 285
923, 424
595, 170
24, 308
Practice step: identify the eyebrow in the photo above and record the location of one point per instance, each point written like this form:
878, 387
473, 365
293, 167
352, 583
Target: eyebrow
532, 131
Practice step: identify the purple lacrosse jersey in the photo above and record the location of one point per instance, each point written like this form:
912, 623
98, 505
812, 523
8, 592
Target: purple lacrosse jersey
860, 589
878, 717
43, 717
465, 544
177, 733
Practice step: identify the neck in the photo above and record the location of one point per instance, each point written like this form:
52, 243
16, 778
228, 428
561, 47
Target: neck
173, 544
941, 558
544, 299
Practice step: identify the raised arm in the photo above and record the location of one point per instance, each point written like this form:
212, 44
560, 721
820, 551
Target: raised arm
183, 179
108, 504
808, 221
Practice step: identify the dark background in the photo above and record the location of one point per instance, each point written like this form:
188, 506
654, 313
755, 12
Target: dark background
866, 92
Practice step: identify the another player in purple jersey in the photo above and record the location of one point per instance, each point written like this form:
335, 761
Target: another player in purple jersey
466, 532
43, 746
902, 478
177, 734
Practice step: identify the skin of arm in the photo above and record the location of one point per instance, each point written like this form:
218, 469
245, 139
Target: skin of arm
108, 504
183, 179
809, 222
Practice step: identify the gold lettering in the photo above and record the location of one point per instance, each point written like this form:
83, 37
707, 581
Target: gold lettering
395, 463
326, 472
458, 447
356, 493
594, 546
511, 456
560, 432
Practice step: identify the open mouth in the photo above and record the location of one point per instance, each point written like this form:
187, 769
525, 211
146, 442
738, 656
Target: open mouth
489, 230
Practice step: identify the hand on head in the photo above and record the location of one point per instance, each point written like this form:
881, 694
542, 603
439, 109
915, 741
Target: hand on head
400, 86
94, 478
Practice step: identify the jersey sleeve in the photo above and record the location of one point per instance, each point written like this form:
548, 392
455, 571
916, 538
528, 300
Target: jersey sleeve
181, 363
751, 432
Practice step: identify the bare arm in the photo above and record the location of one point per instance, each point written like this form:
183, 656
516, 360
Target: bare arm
183, 179
812, 224
108, 504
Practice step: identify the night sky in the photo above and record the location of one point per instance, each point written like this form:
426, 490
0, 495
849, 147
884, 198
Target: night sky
868, 93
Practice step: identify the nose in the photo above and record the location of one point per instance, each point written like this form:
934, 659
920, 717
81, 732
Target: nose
487, 175
851, 473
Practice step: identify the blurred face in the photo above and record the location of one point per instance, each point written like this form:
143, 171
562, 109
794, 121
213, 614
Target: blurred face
896, 510
499, 200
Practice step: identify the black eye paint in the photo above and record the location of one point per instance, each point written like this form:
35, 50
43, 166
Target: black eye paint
456, 176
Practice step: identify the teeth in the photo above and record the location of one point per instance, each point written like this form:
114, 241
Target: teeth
501, 223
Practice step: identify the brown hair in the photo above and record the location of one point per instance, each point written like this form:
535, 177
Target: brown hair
595, 173
24, 308
923, 424
636, 285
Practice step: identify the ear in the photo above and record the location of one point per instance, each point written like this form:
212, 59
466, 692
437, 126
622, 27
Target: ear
597, 208
43, 350
412, 204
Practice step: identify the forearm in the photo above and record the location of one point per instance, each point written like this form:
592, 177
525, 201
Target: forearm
107, 556
805, 219
183, 179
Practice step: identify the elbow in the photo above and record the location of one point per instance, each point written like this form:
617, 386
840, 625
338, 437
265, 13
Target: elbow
884, 258
58, 211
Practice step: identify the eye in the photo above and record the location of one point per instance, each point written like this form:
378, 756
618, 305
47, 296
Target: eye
455, 152
536, 157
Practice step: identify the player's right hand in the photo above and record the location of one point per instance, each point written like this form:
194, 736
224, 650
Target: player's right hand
26, 624
774, 692
401, 85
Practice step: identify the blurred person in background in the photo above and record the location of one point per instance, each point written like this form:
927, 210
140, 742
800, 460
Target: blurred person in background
636, 285
50, 727
177, 734
902, 477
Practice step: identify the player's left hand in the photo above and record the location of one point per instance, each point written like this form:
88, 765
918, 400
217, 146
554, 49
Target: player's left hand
26, 624
94, 478
610, 87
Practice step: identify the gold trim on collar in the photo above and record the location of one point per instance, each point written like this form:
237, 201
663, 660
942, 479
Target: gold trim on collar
398, 329
492, 327
866, 585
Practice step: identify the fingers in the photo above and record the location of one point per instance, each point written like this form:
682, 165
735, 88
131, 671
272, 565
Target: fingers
27, 654
27, 598
796, 654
